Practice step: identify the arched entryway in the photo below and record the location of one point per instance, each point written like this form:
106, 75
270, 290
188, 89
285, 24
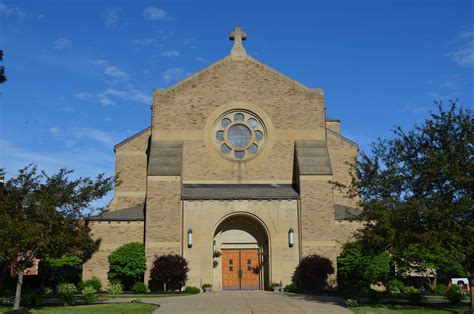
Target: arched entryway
240, 253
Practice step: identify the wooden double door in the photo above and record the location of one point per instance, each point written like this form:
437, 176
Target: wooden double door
240, 269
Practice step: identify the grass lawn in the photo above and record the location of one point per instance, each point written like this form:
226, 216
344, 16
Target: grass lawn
124, 308
406, 309
142, 296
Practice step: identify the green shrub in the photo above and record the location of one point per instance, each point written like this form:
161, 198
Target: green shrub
169, 272
192, 290
94, 282
139, 287
374, 296
290, 288
32, 297
89, 294
47, 292
67, 291
440, 289
414, 295
115, 288
128, 264
358, 269
454, 294
351, 302
396, 287
312, 273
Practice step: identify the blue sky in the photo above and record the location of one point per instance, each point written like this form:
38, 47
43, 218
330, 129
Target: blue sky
81, 73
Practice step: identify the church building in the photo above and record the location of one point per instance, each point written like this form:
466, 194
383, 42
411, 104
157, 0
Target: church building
234, 174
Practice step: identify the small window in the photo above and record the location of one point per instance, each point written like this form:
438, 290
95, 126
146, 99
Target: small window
225, 149
258, 135
253, 122
225, 122
239, 154
239, 117
231, 262
231, 268
220, 135
252, 149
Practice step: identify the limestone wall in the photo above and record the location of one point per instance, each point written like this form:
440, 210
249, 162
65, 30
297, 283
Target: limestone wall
111, 235
163, 218
288, 110
203, 217
130, 168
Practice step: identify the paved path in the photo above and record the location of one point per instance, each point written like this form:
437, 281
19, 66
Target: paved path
247, 302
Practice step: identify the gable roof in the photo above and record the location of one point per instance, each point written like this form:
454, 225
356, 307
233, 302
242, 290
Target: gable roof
228, 58
125, 141
238, 192
134, 213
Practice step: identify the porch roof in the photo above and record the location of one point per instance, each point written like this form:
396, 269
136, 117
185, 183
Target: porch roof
238, 192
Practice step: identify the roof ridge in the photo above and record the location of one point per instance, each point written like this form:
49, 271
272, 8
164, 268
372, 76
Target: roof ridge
131, 138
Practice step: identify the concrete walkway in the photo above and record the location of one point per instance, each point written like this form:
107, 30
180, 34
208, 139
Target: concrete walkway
247, 302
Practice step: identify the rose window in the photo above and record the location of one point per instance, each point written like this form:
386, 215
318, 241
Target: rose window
239, 135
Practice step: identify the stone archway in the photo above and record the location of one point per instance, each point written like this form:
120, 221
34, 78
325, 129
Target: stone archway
241, 242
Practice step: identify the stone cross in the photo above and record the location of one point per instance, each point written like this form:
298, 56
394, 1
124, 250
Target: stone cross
237, 36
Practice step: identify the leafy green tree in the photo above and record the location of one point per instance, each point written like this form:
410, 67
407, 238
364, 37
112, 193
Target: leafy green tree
41, 217
3, 78
356, 270
416, 193
127, 264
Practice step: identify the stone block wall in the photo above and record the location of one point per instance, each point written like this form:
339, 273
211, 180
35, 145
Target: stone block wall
111, 235
163, 219
130, 168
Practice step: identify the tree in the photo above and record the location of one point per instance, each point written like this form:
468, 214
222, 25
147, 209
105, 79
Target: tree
312, 273
41, 217
3, 78
416, 193
168, 272
128, 264
357, 270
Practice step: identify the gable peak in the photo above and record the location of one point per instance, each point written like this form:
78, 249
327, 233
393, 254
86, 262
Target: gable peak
238, 51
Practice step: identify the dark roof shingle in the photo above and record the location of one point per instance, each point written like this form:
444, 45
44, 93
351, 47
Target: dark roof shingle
134, 213
238, 192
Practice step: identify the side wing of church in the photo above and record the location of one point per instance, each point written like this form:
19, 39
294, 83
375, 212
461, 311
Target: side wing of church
234, 175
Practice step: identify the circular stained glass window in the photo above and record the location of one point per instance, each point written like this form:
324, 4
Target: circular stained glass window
239, 135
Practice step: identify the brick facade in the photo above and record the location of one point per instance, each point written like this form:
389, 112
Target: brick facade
187, 113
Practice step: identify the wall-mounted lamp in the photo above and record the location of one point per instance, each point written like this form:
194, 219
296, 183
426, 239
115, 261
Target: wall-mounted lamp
291, 237
190, 237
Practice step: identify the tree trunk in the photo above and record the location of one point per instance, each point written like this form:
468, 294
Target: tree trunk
19, 283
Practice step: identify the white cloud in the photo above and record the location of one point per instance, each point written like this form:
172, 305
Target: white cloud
154, 14
62, 43
105, 138
464, 56
146, 42
171, 53
111, 16
202, 60
54, 131
83, 96
11, 10
100, 62
468, 33
173, 74
115, 72
110, 96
